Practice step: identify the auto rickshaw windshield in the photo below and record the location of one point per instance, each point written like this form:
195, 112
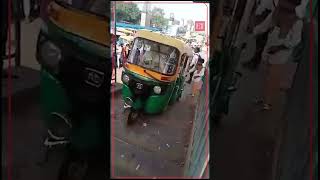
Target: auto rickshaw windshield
98, 7
154, 56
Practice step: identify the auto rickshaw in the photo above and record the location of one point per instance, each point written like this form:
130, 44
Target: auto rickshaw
153, 75
72, 49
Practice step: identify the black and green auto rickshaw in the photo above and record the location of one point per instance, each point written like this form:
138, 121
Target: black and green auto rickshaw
153, 75
73, 49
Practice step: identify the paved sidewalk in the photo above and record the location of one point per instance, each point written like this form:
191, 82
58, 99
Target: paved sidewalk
246, 141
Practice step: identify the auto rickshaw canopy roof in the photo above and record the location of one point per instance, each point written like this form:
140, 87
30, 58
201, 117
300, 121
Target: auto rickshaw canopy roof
164, 39
128, 38
124, 30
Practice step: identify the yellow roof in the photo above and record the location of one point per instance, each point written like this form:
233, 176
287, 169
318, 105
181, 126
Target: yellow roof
123, 30
120, 33
128, 38
163, 39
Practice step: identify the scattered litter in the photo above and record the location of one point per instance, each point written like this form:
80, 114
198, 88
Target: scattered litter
122, 156
159, 148
168, 145
137, 167
178, 142
158, 132
190, 122
144, 124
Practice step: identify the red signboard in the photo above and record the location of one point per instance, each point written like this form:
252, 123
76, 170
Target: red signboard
199, 25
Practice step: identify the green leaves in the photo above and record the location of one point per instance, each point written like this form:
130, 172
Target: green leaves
128, 12
157, 15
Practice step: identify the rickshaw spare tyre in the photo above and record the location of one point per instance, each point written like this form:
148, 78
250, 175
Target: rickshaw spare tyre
73, 170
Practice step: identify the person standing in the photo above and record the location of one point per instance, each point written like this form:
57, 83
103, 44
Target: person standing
197, 77
3, 29
196, 57
264, 8
35, 9
128, 49
123, 55
27, 10
286, 30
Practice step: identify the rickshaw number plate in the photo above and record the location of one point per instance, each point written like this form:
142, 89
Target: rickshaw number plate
139, 86
94, 77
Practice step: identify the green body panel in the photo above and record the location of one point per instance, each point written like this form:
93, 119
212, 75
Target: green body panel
126, 92
154, 103
88, 132
53, 97
177, 92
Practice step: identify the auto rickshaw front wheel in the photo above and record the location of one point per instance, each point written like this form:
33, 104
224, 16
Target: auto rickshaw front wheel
132, 117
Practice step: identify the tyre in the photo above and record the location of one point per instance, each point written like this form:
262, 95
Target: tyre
72, 169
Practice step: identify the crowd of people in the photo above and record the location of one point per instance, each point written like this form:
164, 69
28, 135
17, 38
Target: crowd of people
123, 52
277, 30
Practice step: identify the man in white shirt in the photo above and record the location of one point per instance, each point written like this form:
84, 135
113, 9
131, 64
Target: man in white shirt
193, 63
197, 77
286, 30
264, 8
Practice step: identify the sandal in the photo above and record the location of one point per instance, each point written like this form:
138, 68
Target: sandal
266, 107
258, 101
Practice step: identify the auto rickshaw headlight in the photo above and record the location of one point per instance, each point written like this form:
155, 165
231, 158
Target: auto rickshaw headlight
157, 89
50, 55
125, 78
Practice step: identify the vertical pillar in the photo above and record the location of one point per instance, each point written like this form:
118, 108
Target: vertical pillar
17, 25
3, 29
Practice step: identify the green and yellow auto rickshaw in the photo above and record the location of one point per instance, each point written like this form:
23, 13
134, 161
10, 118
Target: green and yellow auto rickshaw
153, 75
73, 49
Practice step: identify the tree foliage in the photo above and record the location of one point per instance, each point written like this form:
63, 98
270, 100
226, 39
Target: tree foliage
158, 19
128, 12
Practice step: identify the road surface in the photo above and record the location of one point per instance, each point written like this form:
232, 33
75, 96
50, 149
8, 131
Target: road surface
157, 149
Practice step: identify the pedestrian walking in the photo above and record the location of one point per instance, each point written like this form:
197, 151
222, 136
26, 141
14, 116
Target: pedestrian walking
286, 29
198, 72
123, 55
